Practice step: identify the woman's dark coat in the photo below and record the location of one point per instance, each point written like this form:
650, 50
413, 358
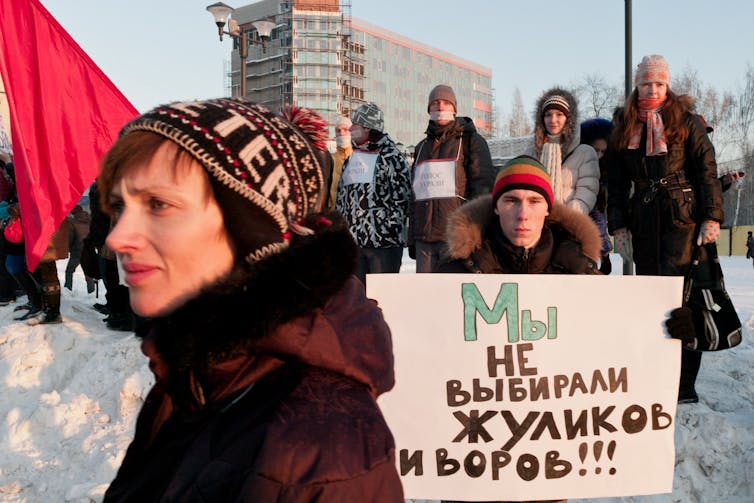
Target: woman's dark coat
673, 194
266, 389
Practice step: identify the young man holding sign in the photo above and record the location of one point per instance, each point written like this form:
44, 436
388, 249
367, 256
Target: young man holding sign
521, 230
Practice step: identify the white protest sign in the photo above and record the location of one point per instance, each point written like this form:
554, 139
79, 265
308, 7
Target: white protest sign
360, 167
520, 387
435, 179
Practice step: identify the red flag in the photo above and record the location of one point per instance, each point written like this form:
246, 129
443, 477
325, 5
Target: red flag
64, 114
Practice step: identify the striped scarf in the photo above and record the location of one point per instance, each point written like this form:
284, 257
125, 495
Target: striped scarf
649, 113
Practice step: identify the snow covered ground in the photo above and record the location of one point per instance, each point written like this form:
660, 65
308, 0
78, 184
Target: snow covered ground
69, 395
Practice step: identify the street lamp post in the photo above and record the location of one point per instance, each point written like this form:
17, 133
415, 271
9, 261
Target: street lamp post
221, 13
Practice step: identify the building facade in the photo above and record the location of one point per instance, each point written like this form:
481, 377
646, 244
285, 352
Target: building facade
318, 56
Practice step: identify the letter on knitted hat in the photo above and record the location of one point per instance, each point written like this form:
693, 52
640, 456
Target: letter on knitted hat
265, 173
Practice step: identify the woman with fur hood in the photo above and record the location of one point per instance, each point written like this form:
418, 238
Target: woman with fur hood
667, 161
572, 167
268, 357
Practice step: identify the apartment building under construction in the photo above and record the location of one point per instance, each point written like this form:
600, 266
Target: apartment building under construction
318, 56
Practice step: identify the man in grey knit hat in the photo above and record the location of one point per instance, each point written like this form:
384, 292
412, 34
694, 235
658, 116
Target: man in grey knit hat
452, 164
373, 193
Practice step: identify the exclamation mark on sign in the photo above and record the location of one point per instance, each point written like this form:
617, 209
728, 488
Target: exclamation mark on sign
598, 446
610, 452
597, 453
583, 450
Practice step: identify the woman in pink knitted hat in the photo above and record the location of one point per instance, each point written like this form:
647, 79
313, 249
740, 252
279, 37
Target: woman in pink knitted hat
665, 153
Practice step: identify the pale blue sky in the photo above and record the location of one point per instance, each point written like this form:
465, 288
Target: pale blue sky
162, 50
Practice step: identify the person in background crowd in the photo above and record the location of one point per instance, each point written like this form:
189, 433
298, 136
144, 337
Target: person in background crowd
8, 285
596, 133
572, 167
46, 274
343, 149
457, 160
676, 203
79, 221
268, 357
749, 245
14, 252
119, 315
374, 192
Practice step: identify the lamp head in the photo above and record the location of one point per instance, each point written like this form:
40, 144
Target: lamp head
264, 29
221, 13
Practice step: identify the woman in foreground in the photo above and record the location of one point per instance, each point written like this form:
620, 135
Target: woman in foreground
267, 355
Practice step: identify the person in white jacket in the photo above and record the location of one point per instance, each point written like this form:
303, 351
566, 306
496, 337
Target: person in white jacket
573, 168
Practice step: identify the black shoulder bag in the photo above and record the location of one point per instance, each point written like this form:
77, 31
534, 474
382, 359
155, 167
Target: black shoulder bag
716, 323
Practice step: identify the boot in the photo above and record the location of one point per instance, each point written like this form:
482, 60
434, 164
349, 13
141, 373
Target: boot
50, 316
31, 313
690, 363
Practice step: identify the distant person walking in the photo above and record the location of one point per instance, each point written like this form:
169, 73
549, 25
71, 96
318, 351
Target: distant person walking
749, 245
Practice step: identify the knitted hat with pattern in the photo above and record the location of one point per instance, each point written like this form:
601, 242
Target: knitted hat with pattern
265, 172
653, 68
557, 102
523, 172
370, 116
442, 92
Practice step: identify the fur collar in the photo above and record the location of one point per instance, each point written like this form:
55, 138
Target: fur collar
466, 227
228, 317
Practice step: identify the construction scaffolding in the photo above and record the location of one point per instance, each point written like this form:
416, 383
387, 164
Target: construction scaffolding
309, 59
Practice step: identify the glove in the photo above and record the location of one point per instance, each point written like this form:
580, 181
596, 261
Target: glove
680, 325
623, 244
708, 233
412, 251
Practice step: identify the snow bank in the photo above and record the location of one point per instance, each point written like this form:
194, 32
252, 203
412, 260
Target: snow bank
69, 395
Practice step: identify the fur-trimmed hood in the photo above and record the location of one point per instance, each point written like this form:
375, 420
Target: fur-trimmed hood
302, 305
466, 228
570, 137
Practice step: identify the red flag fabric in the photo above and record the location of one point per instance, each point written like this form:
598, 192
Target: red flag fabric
64, 114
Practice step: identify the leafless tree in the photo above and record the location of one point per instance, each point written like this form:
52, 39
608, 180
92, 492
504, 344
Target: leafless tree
597, 97
518, 123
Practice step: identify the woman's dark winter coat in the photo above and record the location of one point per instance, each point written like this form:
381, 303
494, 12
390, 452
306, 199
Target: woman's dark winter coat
673, 194
266, 389
475, 175
570, 243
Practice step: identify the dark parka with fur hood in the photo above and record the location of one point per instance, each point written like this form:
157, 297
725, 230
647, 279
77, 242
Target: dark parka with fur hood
570, 243
266, 388
475, 175
672, 195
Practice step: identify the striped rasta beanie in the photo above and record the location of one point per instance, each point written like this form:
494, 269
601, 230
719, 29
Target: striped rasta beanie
523, 172
264, 171
653, 68
557, 102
